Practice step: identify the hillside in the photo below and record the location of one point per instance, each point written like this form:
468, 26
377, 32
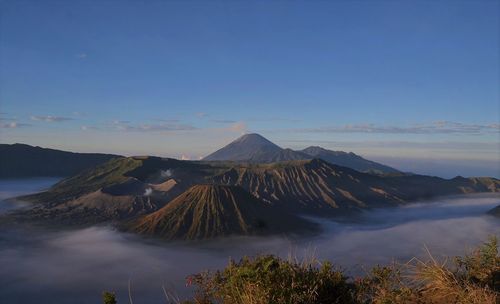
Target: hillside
117, 190
209, 211
322, 188
20, 161
127, 187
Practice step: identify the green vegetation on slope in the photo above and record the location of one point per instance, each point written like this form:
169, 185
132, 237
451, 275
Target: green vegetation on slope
110, 173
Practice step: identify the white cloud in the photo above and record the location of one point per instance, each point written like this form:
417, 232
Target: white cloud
10, 125
148, 192
224, 121
239, 127
126, 126
50, 118
13, 125
81, 55
88, 128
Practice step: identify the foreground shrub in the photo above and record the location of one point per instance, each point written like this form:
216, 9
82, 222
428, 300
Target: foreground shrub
482, 266
384, 284
269, 279
471, 279
108, 298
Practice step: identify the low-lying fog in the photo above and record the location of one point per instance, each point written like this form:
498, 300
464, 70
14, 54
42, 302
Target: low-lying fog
42, 266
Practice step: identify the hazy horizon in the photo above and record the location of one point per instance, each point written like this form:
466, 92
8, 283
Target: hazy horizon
442, 167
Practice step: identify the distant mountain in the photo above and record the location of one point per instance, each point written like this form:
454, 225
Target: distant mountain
210, 211
20, 160
255, 148
349, 160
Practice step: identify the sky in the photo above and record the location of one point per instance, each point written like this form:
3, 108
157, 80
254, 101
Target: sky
413, 84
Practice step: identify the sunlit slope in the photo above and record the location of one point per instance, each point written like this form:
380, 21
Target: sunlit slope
124, 188
209, 211
117, 190
318, 186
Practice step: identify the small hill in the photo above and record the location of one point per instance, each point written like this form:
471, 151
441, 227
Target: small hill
349, 160
20, 161
209, 211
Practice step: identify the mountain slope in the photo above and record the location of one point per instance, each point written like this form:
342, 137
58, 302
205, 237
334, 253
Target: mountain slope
315, 186
20, 160
117, 190
349, 160
127, 187
209, 211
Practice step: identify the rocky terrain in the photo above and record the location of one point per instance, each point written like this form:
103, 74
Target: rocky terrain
209, 211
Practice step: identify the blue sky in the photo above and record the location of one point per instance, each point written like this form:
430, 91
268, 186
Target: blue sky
411, 83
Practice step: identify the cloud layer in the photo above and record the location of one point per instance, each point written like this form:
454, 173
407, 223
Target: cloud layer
13, 125
166, 126
438, 127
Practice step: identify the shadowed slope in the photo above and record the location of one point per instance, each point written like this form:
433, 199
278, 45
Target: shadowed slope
20, 160
209, 211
